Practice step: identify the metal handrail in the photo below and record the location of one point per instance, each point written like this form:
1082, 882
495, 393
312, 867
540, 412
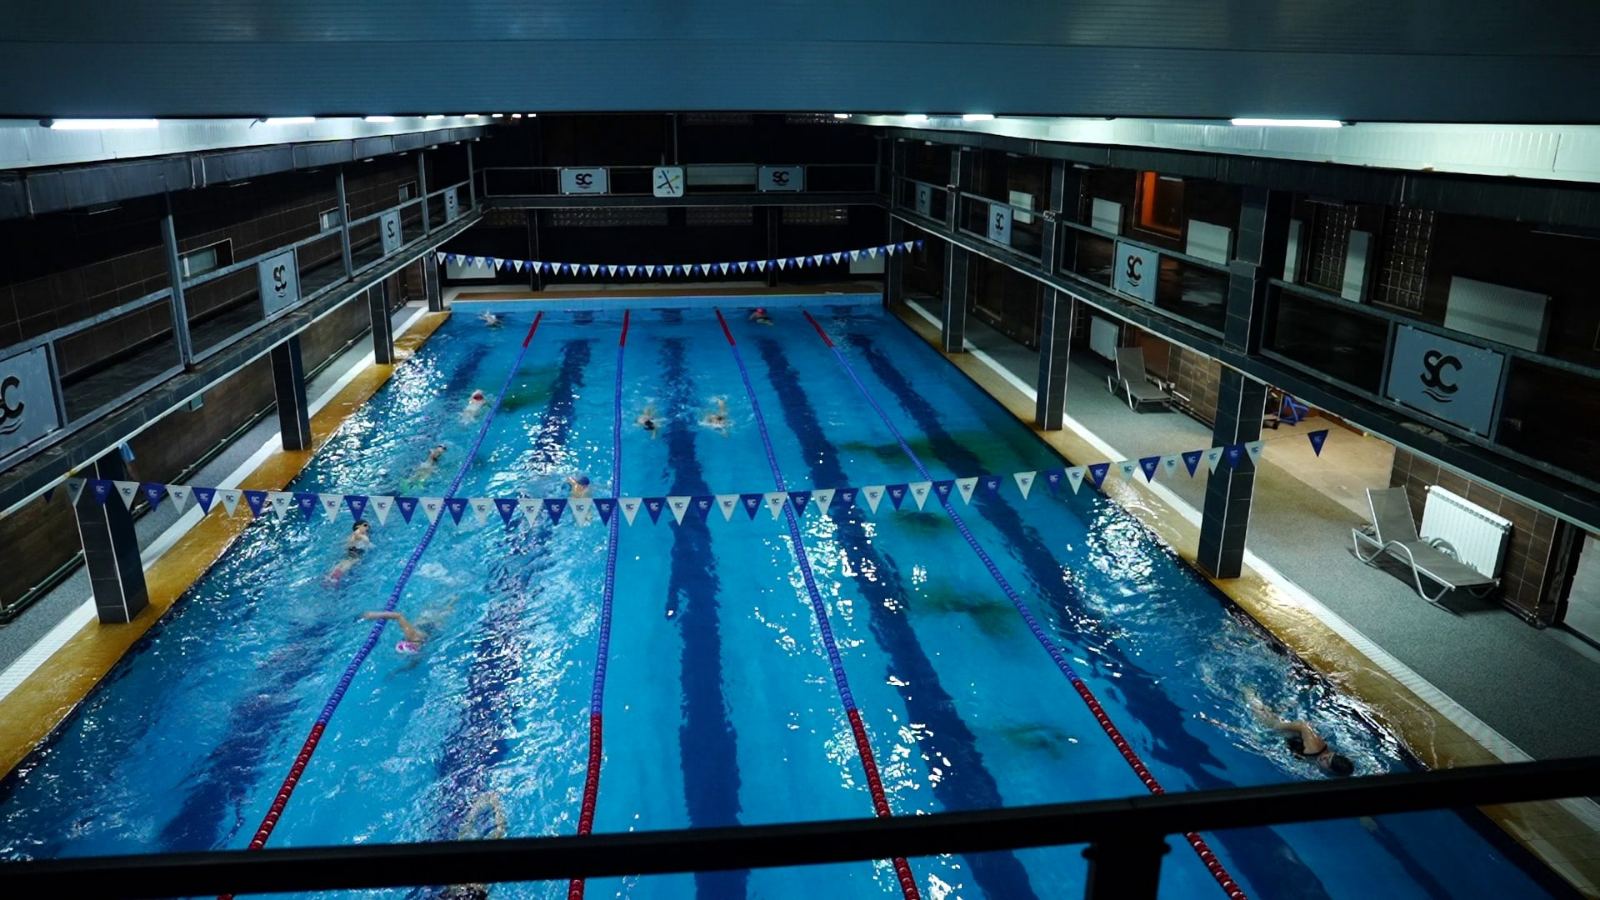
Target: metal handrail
1121, 834
684, 165
100, 318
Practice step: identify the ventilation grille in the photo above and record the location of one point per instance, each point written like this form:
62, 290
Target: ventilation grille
719, 215
816, 215
1403, 268
606, 217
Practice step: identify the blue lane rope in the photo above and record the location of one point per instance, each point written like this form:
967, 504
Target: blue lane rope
275, 811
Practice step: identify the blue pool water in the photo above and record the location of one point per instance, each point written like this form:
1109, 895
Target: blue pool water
721, 705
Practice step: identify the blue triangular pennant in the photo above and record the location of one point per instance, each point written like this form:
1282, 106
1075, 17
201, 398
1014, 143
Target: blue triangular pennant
307, 503
800, 499
752, 503
357, 504
457, 506
702, 506
1317, 438
1232, 452
153, 492
256, 499
844, 498
100, 489
507, 506
943, 488
1149, 465
203, 497
1191, 460
654, 506
896, 492
407, 506
992, 482
605, 506
1053, 477
554, 507
1097, 472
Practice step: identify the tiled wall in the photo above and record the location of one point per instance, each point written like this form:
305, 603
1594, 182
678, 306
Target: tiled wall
1195, 376
59, 269
1534, 566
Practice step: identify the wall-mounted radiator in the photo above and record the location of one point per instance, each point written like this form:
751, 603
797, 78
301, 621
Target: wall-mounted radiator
1477, 535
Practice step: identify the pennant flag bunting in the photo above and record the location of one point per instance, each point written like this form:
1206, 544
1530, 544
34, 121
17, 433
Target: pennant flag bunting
307, 502
1317, 438
919, 491
153, 492
554, 507
456, 506
800, 499
897, 494
1213, 455
582, 510
653, 506
1169, 465
507, 508
873, 494
943, 488
965, 487
75, 486
1025, 482
407, 507
101, 489
280, 501
727, 503
127, 490
432, 507
381, 504
1097, 473
1127, 467
992, 483
256, 501
1254, 448
775, 501
630, 507
752, 503
701, 506
1191, 460
823, 498
357, 503
678, 506
230, 500
1074, 477
481, 507
605, 506
1232, 453
203, 497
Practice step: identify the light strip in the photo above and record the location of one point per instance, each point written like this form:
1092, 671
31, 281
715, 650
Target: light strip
1290, 123
978, 117
101, 124
378, 119
915, 117
291, 120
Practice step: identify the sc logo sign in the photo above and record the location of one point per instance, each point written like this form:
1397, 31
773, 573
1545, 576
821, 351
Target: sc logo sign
280, 280
1134, 270
780, 178
1433, 380
10, 416
584, 179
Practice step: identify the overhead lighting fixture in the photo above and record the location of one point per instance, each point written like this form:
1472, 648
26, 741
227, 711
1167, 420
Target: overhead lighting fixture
533, 115
474, 115
841, 115
1290, 123
291, 120
516, 115
978, 117
434, 116
497, 115
915, 117
378, 119
100, 124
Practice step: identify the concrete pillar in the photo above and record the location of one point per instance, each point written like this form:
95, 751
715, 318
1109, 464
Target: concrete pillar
111, 548
382, 328
180, 309
1055, 347
344, 227
953, 330
894, 267
1230, 489
289, 387
1263, 238
430, 282
961, 163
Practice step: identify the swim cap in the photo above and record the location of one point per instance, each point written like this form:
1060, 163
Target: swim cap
583, 480
407, 647
477, 395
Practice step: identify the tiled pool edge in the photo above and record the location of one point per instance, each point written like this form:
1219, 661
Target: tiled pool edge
1437, 730
49, 693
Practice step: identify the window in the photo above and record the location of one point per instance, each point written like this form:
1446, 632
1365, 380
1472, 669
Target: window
328, 218
1160, 204
408, 191
206, 259
1330, 242
1403, 270
719, 215
605, 217
816, 215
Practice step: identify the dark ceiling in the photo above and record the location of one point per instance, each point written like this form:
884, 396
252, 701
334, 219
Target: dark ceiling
1461, 61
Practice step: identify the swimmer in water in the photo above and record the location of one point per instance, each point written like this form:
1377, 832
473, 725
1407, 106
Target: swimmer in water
580, 485
647, 420
759, 316
425, 470
718, 418
474, 828
492, 320
413, 635
1302, 739
475, 405
355, 547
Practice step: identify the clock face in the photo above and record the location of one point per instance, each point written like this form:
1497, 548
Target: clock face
668, 181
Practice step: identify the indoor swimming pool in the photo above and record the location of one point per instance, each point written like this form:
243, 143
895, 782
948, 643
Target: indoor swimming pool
725, 669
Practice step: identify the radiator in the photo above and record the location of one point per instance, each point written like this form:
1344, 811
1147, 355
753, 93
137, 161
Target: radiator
1477, 535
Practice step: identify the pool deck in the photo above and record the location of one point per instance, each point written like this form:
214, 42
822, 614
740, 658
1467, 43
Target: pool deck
45, 696
1293, 601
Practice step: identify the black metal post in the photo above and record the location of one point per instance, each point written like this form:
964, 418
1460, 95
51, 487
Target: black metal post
289, 387
1125, 868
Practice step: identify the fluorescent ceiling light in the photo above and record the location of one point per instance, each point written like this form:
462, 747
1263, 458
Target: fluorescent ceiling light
497, 115
1291, 123
291, 120
474, 115
915, 117
516, 115
100, 124
978, 117
434, 116
379, 119
841, 115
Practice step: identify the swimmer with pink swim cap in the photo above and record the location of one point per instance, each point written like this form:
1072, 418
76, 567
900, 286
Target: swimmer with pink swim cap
413, 635
759, 316
475, 405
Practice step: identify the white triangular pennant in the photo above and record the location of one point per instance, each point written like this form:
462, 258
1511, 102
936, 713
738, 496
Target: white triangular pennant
725, 267
431, 507
873, 494
180, 496
75, 488
761, 265
1254, 448
230, 500
782, 263
1169, 465
744, 267
823, 498
331, 504
678, 505
481, 507
1127, 467
1075, 478
582, 510
837, 257
1213, 456
630, 507
775, 501
629, 270
1025, 482
919, 491
816, 259
728, 503
127, 490
530, 507
442, 257
612, 270
872, 252
966, 486
280, 501
380, 506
